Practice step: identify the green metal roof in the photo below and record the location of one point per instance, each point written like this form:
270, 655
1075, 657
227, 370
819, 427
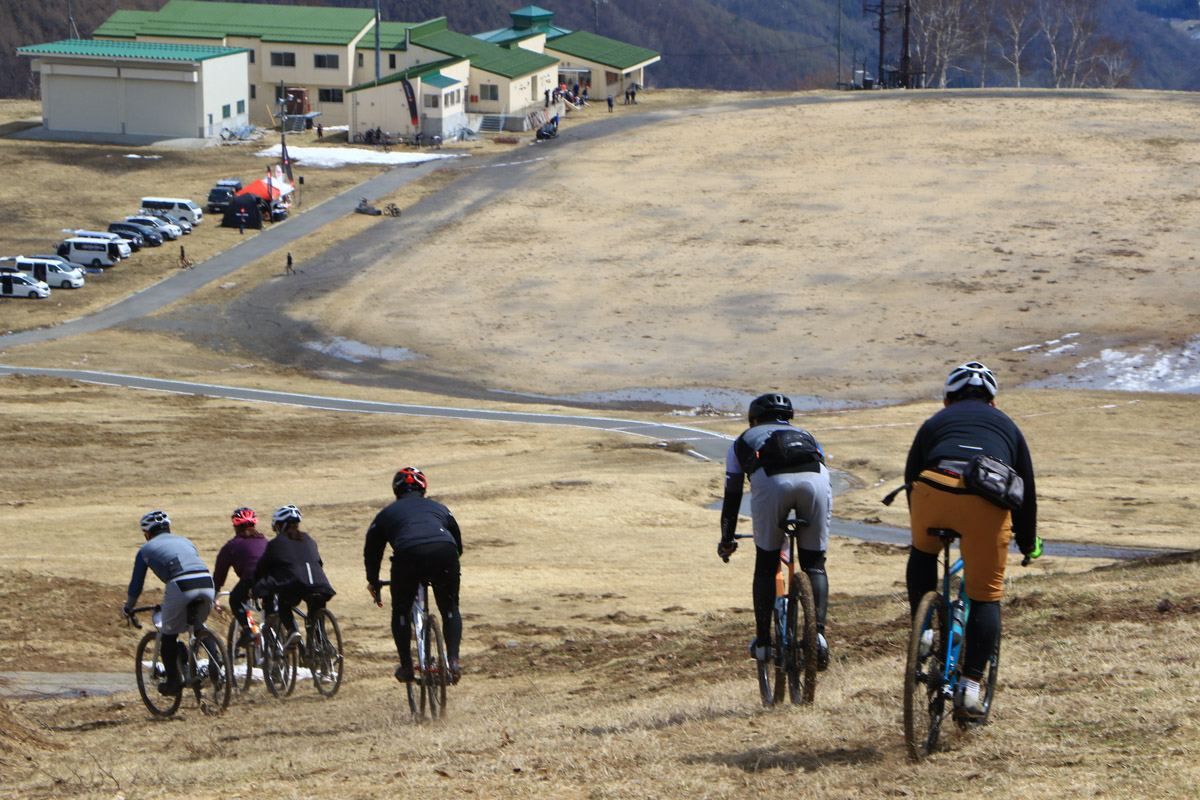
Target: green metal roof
508, 62
530, 16
506, 35
194, 19
440, 81
421, 71
135, 50
601, 50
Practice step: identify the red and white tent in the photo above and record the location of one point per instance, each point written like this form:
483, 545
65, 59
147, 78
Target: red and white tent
272, 187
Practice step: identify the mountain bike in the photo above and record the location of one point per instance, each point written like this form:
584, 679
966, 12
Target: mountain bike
280, 663
203, 665
431, 668
392, 210
793, 655
935, 652
322, 653
244, 643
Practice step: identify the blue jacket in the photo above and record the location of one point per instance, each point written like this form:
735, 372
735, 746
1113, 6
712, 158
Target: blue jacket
166, 555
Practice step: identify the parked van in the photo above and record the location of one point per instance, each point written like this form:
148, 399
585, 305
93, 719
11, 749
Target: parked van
123, 246
17, 284
96, 252
50, 272
184, 209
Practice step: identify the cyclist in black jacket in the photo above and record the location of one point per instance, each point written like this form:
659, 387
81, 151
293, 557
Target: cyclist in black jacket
426, 545
968, 425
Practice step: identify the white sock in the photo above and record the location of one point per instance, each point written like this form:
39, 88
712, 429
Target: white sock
970, 687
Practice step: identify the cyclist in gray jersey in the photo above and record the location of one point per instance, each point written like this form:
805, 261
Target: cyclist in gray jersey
177, 564
787, 473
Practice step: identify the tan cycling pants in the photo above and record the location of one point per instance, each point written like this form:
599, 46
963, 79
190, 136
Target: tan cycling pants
986, 531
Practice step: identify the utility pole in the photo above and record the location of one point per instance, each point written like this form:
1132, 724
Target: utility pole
378, 17
839, 48
596, 12
906, 76
882, 10
71, 22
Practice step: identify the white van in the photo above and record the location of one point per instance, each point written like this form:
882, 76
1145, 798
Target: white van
50, 271
183, 209
122, 244
95, 252
18, 284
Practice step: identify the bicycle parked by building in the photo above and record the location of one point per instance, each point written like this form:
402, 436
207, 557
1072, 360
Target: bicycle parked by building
427, 685
793, 654
203, 666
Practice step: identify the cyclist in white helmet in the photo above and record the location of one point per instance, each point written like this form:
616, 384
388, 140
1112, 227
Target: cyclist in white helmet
969, 425
291, 570
177, 564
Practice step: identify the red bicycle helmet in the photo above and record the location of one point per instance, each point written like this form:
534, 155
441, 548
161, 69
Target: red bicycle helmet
409, 479
243, 517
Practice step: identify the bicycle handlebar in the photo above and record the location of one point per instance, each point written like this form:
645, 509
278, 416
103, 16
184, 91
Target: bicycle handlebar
131, 617
375, 591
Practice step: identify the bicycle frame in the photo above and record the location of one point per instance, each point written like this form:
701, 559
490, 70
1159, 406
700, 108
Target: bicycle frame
958, 623
420, 608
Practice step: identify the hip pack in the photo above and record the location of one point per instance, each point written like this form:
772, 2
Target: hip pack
996, 482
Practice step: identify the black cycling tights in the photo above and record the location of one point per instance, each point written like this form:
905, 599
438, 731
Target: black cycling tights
983, 626
439, 563
766, 565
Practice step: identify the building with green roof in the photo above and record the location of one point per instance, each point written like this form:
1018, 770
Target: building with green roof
177, 90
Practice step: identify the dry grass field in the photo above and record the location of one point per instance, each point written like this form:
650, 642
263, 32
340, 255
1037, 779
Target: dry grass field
605, 643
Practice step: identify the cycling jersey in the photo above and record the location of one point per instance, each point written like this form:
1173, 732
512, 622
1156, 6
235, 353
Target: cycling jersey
409, 522
242, 554
176, 562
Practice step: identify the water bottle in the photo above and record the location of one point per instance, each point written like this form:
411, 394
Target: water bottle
958, 614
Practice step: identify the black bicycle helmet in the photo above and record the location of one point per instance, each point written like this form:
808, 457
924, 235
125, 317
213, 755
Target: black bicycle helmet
770, 407
409, 479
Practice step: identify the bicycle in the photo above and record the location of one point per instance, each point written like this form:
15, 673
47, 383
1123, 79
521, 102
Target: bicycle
934, 667
431, 668
392, 210
203, 665
244, 643
794, 648
322, 651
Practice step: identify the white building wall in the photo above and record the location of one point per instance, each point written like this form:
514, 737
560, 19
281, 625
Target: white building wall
223, 83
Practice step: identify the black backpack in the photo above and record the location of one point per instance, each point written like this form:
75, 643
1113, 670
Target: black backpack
788, 450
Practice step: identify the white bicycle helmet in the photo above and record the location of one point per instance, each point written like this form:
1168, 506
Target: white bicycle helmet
284, 515
972, 373
156, 522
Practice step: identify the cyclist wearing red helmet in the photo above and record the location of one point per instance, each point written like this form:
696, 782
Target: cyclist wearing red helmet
426, 545
242, 553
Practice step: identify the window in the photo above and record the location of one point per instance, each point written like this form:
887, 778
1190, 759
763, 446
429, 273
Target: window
253, 92
489, 91
325, 61
360, 60
225, 111
283, 59
391, 60
251, 56
431, 101
241, 106
330, 95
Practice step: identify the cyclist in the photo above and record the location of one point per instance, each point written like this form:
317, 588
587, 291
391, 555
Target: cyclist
242, 553
177, 564
426, 545
290, 570
968, 425
787, 472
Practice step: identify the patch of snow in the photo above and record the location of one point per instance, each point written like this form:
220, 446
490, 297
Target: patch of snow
330, 157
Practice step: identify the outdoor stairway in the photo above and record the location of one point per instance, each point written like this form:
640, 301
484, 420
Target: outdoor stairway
491, 125
296, 124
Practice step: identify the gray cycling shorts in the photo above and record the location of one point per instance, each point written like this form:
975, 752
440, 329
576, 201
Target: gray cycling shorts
772, 499
178, 594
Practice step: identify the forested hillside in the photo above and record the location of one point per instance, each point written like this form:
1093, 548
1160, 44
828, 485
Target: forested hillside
783, 44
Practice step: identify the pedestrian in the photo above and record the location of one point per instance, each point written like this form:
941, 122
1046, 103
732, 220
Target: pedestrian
610, 104
320, 131
290, 271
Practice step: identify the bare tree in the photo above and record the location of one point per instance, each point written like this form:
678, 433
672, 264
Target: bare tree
1015, 30
1068, 27
946, 31
1114, 64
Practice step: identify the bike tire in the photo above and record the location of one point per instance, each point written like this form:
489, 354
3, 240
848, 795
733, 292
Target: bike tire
150, 671
924, 702
210, 672
802, 620
241, 658
279, 664
325, 653
435, 676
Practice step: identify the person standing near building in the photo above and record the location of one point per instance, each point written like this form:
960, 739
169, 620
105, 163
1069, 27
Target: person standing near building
610, 104
289, 271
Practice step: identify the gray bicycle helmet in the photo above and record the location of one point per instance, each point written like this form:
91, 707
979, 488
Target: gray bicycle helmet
285, 514
768, 407
156, 522
971, 374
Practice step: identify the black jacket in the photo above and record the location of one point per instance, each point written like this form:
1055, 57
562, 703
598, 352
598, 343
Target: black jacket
410, 522
293, 561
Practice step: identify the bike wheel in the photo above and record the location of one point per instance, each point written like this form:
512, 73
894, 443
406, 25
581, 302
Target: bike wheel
924, 702
435, 672
325, 653
241, 657
279, 664
210, 672
801, 661
150, 672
